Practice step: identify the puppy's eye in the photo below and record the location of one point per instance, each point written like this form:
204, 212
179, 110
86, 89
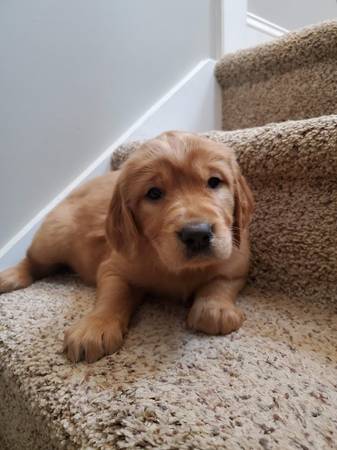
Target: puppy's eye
154, 193
214, 182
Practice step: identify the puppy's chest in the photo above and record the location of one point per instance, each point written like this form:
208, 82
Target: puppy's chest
171, 285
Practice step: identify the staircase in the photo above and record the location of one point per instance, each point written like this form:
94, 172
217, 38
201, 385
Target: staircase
288, 79
272, 385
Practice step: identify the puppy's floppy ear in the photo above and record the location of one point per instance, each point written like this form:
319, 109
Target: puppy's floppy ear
243, 206
120, 226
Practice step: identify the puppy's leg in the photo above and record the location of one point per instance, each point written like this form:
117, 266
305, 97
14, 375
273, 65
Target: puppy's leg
214, 310
47, 252
101, 331
17, 277
28, 270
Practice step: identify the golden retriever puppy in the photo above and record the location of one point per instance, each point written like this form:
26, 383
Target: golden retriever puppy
173, 221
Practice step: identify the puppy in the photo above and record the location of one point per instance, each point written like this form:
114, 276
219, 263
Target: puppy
173, 221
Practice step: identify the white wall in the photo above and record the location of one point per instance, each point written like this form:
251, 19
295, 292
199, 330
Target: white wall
293, 14
242, 29
75, 74
193, 104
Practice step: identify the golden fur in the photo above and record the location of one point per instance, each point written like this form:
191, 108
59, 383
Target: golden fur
114, 236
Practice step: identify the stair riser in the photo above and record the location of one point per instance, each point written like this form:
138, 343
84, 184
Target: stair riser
309, 91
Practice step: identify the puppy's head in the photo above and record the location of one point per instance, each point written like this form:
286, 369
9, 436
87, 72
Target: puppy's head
185, 197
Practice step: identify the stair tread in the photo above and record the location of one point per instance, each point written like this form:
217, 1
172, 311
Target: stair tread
168, 387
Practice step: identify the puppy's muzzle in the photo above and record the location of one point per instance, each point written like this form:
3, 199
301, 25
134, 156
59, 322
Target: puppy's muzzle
196, 237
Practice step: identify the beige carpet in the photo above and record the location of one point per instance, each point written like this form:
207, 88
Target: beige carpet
294, 77
272, 385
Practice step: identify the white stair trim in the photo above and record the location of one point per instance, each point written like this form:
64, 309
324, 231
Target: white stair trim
178, 108
219, 27
263, 25
238, 29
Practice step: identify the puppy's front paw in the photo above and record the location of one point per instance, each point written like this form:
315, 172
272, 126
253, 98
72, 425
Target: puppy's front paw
92, 337
214, 318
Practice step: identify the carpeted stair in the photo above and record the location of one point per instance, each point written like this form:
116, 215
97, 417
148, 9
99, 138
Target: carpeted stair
290, 78
271, 385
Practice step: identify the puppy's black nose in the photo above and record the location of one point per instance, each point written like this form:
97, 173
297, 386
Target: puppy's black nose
196, 236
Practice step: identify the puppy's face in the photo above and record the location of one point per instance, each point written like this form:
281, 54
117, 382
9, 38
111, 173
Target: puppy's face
185, 197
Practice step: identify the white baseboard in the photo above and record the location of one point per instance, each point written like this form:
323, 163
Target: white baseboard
263, 25
193, 104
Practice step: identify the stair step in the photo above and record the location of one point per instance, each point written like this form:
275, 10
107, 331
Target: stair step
167, 387
294, 77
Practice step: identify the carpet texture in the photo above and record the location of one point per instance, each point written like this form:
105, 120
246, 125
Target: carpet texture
270, 386
294, 77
